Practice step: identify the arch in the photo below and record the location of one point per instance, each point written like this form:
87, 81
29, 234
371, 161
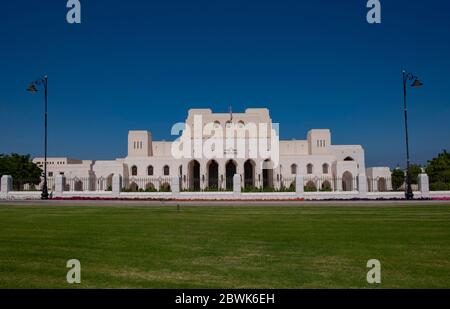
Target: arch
309, 169
164, 187
216, 124
230, 171
134, 187
310, 186
382, 185
213, 175
347, 181
294, 169
78, 185
241, 124
325, 168
249, 173
349, 159
150, 187
150, 170
134, 170
166, 170
194, 175
326, 186
267, 174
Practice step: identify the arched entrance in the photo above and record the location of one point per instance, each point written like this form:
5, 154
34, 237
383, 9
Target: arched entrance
267, 174
230, 171
249, 174
382, 187
347, 181
213, 175
194, 175
109, 181
78, 186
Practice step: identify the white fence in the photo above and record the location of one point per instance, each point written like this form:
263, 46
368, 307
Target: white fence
169, 189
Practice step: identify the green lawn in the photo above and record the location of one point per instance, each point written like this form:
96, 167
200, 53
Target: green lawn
225, 247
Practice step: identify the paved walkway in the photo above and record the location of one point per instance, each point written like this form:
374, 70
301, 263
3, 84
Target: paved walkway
368, 203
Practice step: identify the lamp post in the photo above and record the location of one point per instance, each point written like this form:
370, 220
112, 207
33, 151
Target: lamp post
416, 84
33, 87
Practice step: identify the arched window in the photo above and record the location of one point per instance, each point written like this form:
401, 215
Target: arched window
216, 124
241, 124
349, 159
166, 170
309, 169
325, 168
150, 170
134, 170
294, 169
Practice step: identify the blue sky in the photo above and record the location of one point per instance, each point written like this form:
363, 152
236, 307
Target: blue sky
143, 64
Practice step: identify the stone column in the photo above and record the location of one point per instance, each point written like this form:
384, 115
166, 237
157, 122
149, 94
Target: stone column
203, 176
299, 189
175, 185
116, 184
237, 184
362, 185
222, 175
60, 183
6, 184
424, 187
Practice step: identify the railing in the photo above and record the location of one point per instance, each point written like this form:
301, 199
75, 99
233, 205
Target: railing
146, 184
439, 183
329, 183
275, 184
32, 184
383, 184
80, 184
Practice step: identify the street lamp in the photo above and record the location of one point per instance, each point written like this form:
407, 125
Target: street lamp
416, 84
33, 87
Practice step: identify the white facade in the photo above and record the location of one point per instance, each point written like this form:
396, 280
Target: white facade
324, 166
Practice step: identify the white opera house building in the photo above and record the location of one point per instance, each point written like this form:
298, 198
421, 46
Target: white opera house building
211, 148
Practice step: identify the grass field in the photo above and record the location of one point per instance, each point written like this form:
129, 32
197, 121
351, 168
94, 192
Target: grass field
224, 247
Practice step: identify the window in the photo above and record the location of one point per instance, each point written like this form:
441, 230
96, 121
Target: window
294, 169
325, 168
309, 168
134, 170
166, 170
241, 124
150, 170
50, 174
349, 159
216, 124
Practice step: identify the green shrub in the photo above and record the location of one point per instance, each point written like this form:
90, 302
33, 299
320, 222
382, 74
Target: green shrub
439, 186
